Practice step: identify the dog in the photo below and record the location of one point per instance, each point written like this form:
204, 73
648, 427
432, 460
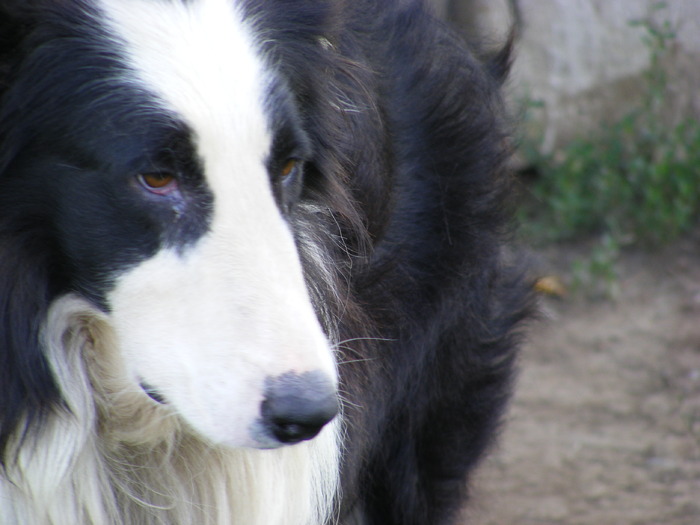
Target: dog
252, 263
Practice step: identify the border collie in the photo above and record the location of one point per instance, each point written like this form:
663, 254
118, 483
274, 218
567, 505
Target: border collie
251, 265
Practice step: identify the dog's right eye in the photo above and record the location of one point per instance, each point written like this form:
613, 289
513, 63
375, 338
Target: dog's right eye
159, 182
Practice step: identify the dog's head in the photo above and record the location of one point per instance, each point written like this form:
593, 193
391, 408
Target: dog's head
150, 163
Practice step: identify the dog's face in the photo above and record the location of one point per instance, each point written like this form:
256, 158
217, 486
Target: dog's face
168, 160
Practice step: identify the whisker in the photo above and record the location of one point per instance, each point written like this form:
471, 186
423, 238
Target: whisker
383, 339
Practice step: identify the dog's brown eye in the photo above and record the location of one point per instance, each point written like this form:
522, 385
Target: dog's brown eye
288, 168
158, 180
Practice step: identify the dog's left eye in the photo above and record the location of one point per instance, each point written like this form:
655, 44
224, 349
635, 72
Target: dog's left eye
289, 168
160, 182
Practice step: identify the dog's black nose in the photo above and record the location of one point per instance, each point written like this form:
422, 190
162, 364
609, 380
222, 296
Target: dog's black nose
297, 406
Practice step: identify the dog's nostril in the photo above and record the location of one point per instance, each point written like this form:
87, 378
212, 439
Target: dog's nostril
302, 424
289, 433
297, 406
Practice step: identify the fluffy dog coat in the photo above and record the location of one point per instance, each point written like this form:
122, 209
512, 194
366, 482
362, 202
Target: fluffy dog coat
217, 219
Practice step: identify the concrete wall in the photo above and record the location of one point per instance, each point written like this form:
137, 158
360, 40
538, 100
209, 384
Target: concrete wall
583, 60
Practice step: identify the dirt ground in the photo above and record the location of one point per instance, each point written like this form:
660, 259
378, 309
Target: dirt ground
605, 425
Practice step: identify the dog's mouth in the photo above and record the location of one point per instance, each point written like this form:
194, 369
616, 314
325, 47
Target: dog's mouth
153, 393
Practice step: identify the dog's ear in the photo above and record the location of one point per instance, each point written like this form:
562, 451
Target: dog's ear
27, 388
14, 26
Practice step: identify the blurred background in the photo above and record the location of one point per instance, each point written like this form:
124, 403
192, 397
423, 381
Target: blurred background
605, 97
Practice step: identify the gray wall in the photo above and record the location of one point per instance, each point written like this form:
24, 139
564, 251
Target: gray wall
583, 60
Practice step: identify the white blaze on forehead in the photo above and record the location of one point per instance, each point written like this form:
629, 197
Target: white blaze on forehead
198, 57
207, 326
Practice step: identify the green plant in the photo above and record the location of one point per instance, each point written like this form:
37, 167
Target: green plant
635, 181
596, 275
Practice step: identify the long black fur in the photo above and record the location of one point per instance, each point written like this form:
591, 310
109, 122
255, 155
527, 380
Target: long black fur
420, 152
409, 149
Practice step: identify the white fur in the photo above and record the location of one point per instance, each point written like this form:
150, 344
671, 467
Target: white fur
232, 310
205, 326
115, 458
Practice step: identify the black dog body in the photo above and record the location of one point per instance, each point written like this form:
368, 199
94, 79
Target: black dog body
340, 216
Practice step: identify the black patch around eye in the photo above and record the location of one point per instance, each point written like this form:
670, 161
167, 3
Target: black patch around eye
184, 215
291, 147
102, 221
287, 179
178, 153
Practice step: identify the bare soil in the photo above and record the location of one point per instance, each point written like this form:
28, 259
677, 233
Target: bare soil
605, 424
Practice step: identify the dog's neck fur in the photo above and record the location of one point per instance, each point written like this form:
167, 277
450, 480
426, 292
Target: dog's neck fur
114, 457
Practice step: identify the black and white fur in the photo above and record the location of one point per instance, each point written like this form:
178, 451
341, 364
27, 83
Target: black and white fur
250, 263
